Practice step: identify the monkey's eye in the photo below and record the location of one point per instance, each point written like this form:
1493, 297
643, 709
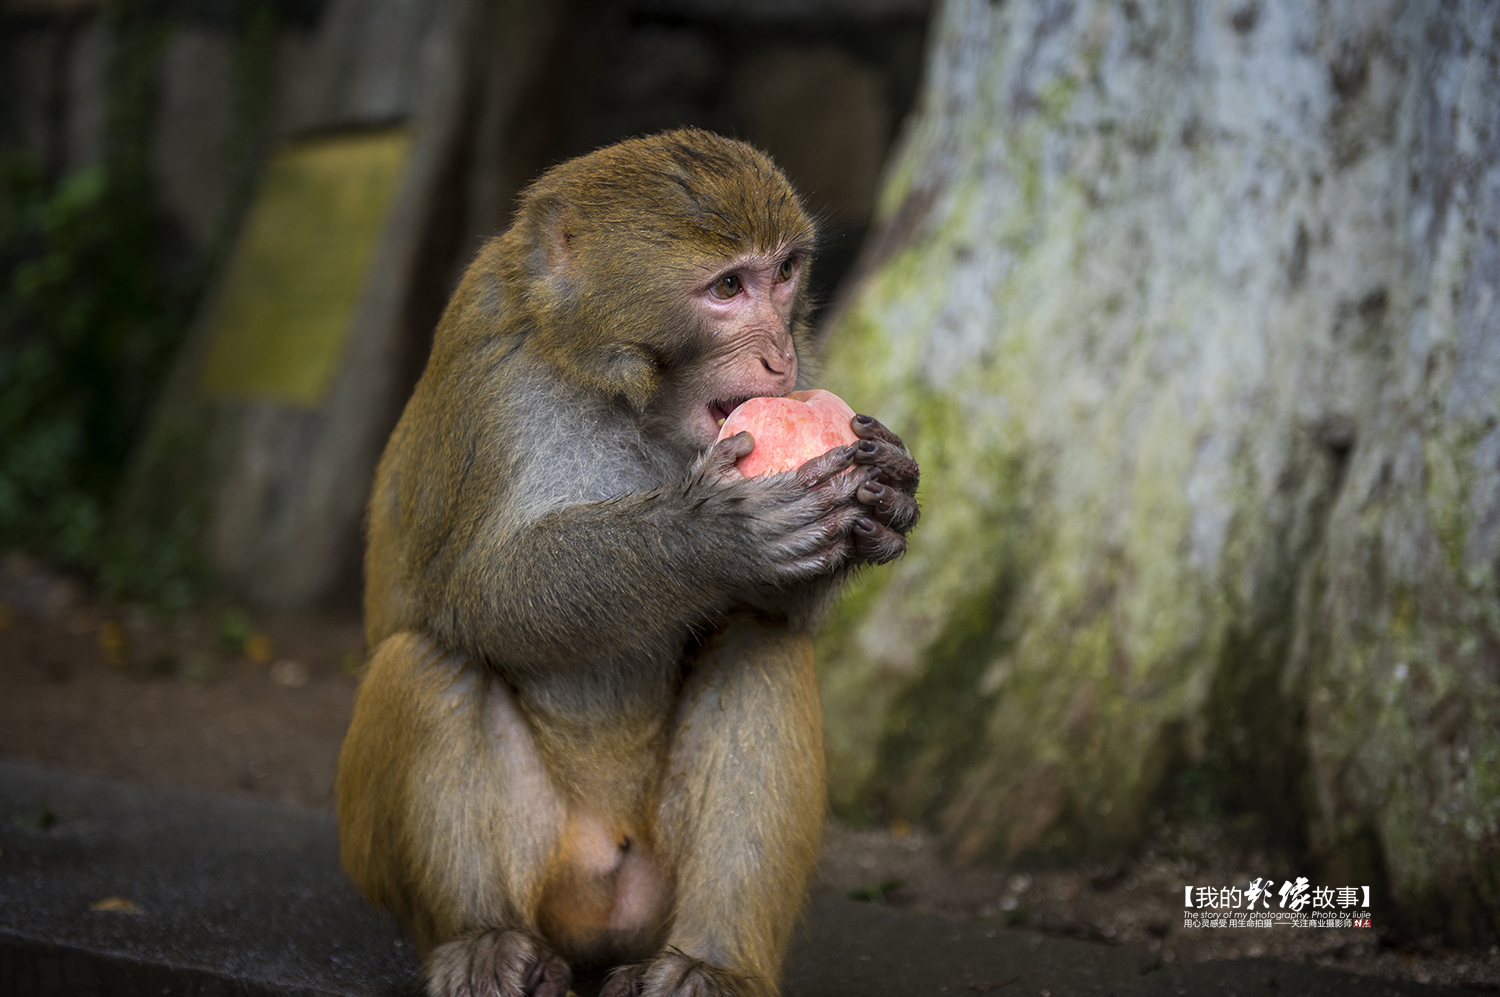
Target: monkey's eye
787, 269
725, 287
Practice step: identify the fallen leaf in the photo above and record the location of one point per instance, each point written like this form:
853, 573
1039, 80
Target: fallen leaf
117, 904
258, 648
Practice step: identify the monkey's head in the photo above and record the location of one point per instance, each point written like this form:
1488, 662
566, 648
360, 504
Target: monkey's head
668, 271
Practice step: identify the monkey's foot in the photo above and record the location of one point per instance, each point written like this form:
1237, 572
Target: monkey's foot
676, 974
501, 962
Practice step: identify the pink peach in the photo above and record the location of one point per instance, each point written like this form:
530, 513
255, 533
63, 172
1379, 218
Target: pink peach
790, 431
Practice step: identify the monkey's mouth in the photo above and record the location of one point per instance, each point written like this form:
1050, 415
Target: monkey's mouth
719, 410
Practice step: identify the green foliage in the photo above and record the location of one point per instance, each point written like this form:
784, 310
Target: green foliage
91, 313
234, 630
96, 293
877, 893
86, 330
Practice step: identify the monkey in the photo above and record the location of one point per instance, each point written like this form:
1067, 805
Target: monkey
588, 734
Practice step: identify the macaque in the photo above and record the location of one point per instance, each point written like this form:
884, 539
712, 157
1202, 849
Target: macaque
589, 732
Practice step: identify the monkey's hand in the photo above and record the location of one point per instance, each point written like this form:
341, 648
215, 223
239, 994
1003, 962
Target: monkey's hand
497, 963
887, 491
795, 526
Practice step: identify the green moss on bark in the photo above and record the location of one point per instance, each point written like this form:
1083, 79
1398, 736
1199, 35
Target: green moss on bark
1207, 431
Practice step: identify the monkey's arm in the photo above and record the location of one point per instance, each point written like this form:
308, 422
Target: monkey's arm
628, 577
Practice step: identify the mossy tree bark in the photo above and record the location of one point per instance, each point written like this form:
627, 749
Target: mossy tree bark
1191, 313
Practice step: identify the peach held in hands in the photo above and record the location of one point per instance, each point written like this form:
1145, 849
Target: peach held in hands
789, 431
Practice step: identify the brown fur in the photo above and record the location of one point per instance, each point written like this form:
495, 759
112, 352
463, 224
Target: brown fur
589, 731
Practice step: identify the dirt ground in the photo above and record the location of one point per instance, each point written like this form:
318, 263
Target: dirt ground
224, 701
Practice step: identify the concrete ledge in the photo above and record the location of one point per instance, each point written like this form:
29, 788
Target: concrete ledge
230, 895
120, 889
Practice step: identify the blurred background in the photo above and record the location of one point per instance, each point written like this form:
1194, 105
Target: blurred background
1190, 310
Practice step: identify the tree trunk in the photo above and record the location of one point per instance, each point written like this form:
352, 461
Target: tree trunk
1191, 313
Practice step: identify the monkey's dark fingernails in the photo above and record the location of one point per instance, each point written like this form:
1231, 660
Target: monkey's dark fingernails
877, 544
869, 428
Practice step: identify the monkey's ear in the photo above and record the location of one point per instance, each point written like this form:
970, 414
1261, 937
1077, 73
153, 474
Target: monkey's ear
622, 369
552, 238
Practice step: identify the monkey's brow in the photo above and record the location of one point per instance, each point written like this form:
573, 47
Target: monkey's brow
728, 231
777, 254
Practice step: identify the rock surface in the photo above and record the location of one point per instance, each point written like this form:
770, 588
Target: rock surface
1191, 314
120, 889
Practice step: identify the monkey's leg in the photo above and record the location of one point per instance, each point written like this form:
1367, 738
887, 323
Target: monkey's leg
742, 815
447, 817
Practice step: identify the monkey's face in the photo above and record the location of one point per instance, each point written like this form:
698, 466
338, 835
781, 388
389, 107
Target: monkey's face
745, 310
668, 272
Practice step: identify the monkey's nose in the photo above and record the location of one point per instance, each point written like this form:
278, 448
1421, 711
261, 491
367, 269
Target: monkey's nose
780, 362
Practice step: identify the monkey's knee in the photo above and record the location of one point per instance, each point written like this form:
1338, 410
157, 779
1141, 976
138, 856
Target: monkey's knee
676, 974
497, 963
748, 675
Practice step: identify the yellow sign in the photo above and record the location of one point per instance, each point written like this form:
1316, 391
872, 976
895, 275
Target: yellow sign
294, 281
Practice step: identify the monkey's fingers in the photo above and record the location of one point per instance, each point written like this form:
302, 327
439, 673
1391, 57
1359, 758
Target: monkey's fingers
817, 563
876, 543
867, 427
501, 962
823, 468
879, 447
895, 466
718, 460
826, 491
816, 541
888, 505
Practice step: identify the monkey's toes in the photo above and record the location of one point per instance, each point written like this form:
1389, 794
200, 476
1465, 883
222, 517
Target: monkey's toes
624, 981
501, 962
676, 974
